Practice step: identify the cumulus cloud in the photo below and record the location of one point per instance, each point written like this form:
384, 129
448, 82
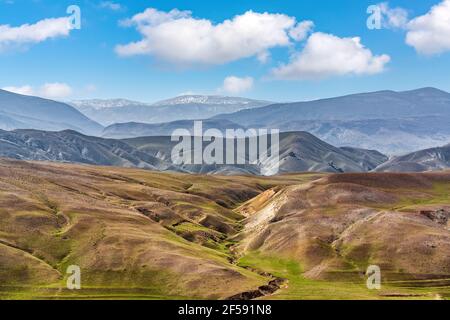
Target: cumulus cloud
430, 34
326, 55
236, 85
56, 90
178, 37
301, 30
34, 33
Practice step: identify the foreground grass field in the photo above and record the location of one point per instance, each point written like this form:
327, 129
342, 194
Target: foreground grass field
137, 234
301, 288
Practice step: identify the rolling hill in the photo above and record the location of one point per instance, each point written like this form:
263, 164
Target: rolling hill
332, 229
104, 221
138, 234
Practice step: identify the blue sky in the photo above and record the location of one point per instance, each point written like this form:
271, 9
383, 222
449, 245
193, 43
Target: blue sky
87, 63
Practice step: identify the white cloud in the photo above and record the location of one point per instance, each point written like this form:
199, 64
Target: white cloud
393, 18
236, 85
178, 37
326, 55
301, 30
54, 90
25, 90
114, 6
34, 33
263, 57
430, 34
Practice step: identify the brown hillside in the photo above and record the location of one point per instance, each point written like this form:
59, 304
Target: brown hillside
162, 234
344, 223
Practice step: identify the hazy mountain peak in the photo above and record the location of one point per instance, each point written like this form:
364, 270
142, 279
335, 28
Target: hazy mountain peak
432, 159
188, 107
206, 99
29, 112
99, 104
427, 91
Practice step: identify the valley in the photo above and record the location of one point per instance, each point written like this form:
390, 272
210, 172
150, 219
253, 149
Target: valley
138, 234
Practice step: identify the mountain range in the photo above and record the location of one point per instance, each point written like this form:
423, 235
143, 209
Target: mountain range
394, 123
188, 107
397, 124
362, 106
391, 122
299, 152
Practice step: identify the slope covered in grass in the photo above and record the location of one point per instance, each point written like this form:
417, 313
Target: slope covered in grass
138, 234
337, 226
133, 233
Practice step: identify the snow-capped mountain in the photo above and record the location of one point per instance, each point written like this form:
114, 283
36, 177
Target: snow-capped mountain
189, 107
210, 100
98, 104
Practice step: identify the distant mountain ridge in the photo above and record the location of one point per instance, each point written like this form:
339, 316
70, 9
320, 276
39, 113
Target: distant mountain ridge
136, 129
433, 159
27, 112
389, 121
209, 100
390, 136
190, 107
393, 123
99, 104
362, 106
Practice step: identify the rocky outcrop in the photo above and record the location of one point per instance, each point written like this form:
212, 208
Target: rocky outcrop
440, 216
